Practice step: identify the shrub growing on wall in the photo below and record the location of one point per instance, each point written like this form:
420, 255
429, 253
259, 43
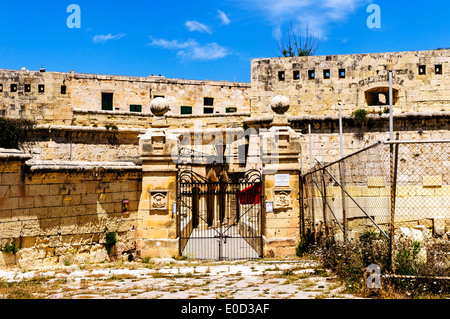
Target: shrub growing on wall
360, 116
111, 240
13, 132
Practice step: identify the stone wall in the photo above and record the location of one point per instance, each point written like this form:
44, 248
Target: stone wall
325, 137
87, 89
364, 85
82, 143
60, 196
57, 212
51, 97
36, 96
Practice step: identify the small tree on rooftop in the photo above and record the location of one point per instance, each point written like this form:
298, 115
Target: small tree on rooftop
13, 132
292, 43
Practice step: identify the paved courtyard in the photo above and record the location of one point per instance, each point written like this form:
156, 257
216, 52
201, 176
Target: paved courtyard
175, 279
204, 245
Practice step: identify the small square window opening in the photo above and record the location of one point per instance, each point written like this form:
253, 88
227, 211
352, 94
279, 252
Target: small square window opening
438, 69
135, 108
342, 73
27, 88
311, 74
296, 75
281, 75
208, 110
326, 74
186, 110
63, 89
107, 101
208, 101
13, 87
422, 70
41, 88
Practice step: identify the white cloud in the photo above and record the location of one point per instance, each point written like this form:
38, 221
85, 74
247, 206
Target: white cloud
318, 15
197, 26
192, 50
102, 38
223, 17
173, 44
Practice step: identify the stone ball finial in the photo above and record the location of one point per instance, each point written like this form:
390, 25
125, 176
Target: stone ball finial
159, 106
280, 104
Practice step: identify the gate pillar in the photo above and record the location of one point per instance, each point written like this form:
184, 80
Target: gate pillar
281, 150
157, 230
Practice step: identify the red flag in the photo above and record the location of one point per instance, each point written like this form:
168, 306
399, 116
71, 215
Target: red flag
250, 195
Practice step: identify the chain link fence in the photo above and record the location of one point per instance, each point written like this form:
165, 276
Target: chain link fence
422, 202
394, 191
348, 197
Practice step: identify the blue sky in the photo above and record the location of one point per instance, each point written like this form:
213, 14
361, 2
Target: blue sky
204, 39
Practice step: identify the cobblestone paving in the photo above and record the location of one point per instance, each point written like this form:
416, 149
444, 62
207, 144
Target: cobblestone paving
173, 279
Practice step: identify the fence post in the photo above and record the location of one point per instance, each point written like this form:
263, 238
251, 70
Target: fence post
344, 203
393, 149
324, 203
342, 173
313, 211
302, 207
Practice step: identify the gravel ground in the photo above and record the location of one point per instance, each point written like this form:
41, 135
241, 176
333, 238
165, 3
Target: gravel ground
175, 279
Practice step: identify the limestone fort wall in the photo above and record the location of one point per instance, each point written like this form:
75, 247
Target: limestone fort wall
59, 213
316, 84
64, 190
69, 98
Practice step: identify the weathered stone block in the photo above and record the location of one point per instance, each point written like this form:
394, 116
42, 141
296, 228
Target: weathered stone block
376, 181
432, 181
439, 225
9, 203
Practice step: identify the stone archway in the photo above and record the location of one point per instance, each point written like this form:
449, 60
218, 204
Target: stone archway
379, 96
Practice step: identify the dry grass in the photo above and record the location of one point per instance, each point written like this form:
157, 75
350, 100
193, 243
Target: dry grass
28, 289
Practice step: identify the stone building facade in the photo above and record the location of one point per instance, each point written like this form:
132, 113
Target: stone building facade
315, 85
101, 159
58, 98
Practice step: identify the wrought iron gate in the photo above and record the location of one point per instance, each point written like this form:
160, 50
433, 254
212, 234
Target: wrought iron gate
219, 220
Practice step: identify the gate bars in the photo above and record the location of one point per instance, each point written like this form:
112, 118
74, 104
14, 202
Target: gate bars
215, 221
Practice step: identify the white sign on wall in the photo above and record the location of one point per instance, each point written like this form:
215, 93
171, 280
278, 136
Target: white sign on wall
281, 179
269, 207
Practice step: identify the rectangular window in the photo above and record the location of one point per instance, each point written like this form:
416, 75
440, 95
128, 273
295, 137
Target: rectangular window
342, 73
326, 74
107, 101
311, 74
27, 88
41, 88
231, 110
422, 70
1, 87
281, 75
13, 87
296, 75
63, 89
208, 101
186, 110
208, 110
135, 108
438, 69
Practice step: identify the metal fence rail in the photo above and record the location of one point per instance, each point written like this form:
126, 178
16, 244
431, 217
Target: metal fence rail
398, 189
349, 196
